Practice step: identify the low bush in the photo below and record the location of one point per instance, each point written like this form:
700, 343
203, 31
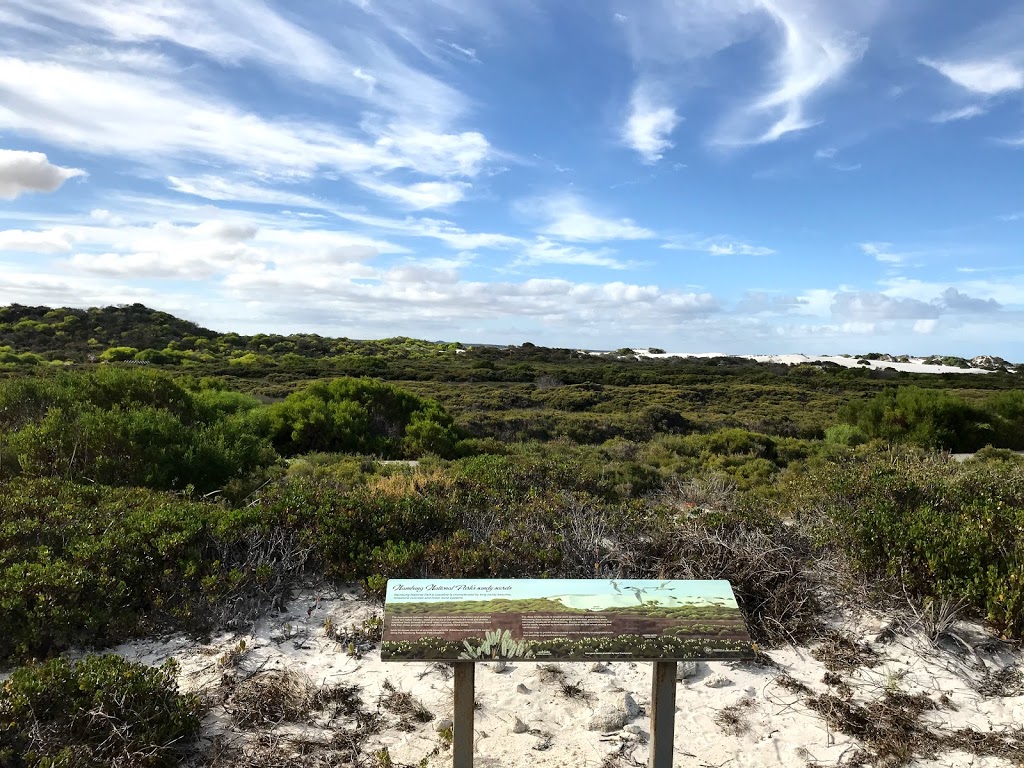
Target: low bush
924, 523
98, 712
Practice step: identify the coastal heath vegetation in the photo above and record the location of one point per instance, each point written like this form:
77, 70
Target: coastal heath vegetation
191, 484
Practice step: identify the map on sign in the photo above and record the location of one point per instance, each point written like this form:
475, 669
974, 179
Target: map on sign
568, 619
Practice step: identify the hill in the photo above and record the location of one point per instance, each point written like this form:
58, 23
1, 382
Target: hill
76, 334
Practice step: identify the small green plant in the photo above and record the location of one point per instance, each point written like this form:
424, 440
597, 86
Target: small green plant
498, 644
136, 716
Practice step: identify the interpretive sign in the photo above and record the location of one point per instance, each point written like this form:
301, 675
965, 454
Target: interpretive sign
562, 619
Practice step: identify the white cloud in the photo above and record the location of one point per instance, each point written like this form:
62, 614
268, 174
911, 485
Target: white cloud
649, 125
813, 46
445, 231
1006, 291
219, 188
825, 154
925, 326
155, 119
467, 53
866, 306
964, 113
816, 50
421, 195
985, 76
545, 251
235, 34
574, 307
565, 216
717, 246
27, 241
198, 249
22, 172
882, 252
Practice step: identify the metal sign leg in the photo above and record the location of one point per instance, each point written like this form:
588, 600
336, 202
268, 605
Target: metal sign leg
465, 706
663, 713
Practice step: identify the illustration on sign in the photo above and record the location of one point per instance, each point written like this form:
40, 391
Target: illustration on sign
570, 619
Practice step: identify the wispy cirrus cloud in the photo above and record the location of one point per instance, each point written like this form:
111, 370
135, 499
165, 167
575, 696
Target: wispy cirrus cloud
813, 45
420, 195
963, 113
884, 253
988, 77
545, 251
145, 117
717, 246
569, 217
365, 67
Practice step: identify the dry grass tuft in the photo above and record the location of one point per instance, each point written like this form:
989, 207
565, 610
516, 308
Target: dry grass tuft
790, 684
550, 673
272, 697
733, 719
574, 691
894, 734
404, 704
840, 652
1004, 682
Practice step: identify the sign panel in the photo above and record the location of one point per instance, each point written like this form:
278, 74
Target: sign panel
562, 619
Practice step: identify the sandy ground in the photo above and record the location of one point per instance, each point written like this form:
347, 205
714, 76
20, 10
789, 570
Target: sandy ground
776, 727
916, 365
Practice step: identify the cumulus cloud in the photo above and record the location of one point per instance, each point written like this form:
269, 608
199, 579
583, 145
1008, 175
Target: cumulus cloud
27, 241
955, 301
22, 172
649, 125
868, 306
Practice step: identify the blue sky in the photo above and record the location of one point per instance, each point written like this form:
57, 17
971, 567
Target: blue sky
747, 176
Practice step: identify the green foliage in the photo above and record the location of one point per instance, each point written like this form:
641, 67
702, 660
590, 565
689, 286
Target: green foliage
928, 418
845, 434
129, 427
935, 526
94, 713
93, 565
361, 416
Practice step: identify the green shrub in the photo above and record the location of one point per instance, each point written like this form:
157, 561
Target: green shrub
845, 434
93, 566
928, 524
361, 416
98, 712
925, 417
136, 428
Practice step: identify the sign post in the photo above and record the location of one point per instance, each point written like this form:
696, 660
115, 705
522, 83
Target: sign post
467, 621
663, 713
465, 708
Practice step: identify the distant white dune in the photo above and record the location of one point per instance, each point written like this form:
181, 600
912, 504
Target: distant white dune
915, 365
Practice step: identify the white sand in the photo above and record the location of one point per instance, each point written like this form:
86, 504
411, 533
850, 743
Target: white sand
781, 730
915, 365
